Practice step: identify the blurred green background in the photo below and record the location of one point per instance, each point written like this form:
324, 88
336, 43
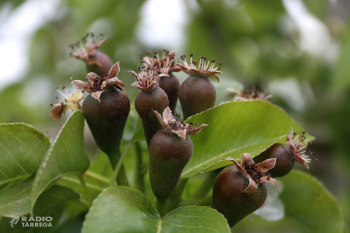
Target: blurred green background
298, 50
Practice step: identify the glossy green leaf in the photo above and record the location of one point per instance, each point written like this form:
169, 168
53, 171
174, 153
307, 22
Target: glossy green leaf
21, 150
310, 204
15, 201
65, 156
309, 207
128, 210
236, 128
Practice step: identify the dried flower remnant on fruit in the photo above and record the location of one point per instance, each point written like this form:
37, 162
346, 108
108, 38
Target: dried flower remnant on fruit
147, 79
205, 68
249, 94
179, 128
255, 173
87, 47
165, 65
70, 101
297, 146
96, 85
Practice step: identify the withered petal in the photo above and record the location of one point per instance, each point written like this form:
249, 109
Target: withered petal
267, 179
194, 131
161, 121
113, 72
81, 85
290, 135
101, 42
97, 95
251, 186
167, 115
181, 133
246, 159
56, 111
266, 165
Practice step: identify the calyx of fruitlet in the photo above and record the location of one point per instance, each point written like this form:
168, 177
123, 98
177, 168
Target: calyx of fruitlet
179, 128
296, 145
255, 173
96, 85
147, 79
205, 68
86, 49
249, 94
165, 64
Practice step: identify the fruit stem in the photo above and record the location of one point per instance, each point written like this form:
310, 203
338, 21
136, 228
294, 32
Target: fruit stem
175, 198
75, 181
119, 170
207, 185
205, 201
161, 206
82, 182
97, 177
83, 202
139, 176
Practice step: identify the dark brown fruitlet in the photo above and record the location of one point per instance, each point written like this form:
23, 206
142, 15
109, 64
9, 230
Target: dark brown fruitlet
169, 152
284, 159
197, 93
170, 84
239, 189
106, 108
286, 155
150, 97
87, 50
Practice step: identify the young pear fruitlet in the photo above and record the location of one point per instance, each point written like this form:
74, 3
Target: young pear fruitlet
106, 108
286, 155
170, 150
197, 93
169, 83
240, 189
87, 50
150, 97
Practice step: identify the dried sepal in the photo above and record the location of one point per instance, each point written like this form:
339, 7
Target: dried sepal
147, 79
255, 173
86, 48
179, 128
69, 101
249, 94
96, 85
205, 68
296, 145
165, 65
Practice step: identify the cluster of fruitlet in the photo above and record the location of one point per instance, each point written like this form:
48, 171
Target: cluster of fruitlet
238, 190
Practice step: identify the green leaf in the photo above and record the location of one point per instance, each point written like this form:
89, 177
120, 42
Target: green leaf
65, 156
310, 204
122, 209
236, 128
309, 208
21, 150
15, 201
